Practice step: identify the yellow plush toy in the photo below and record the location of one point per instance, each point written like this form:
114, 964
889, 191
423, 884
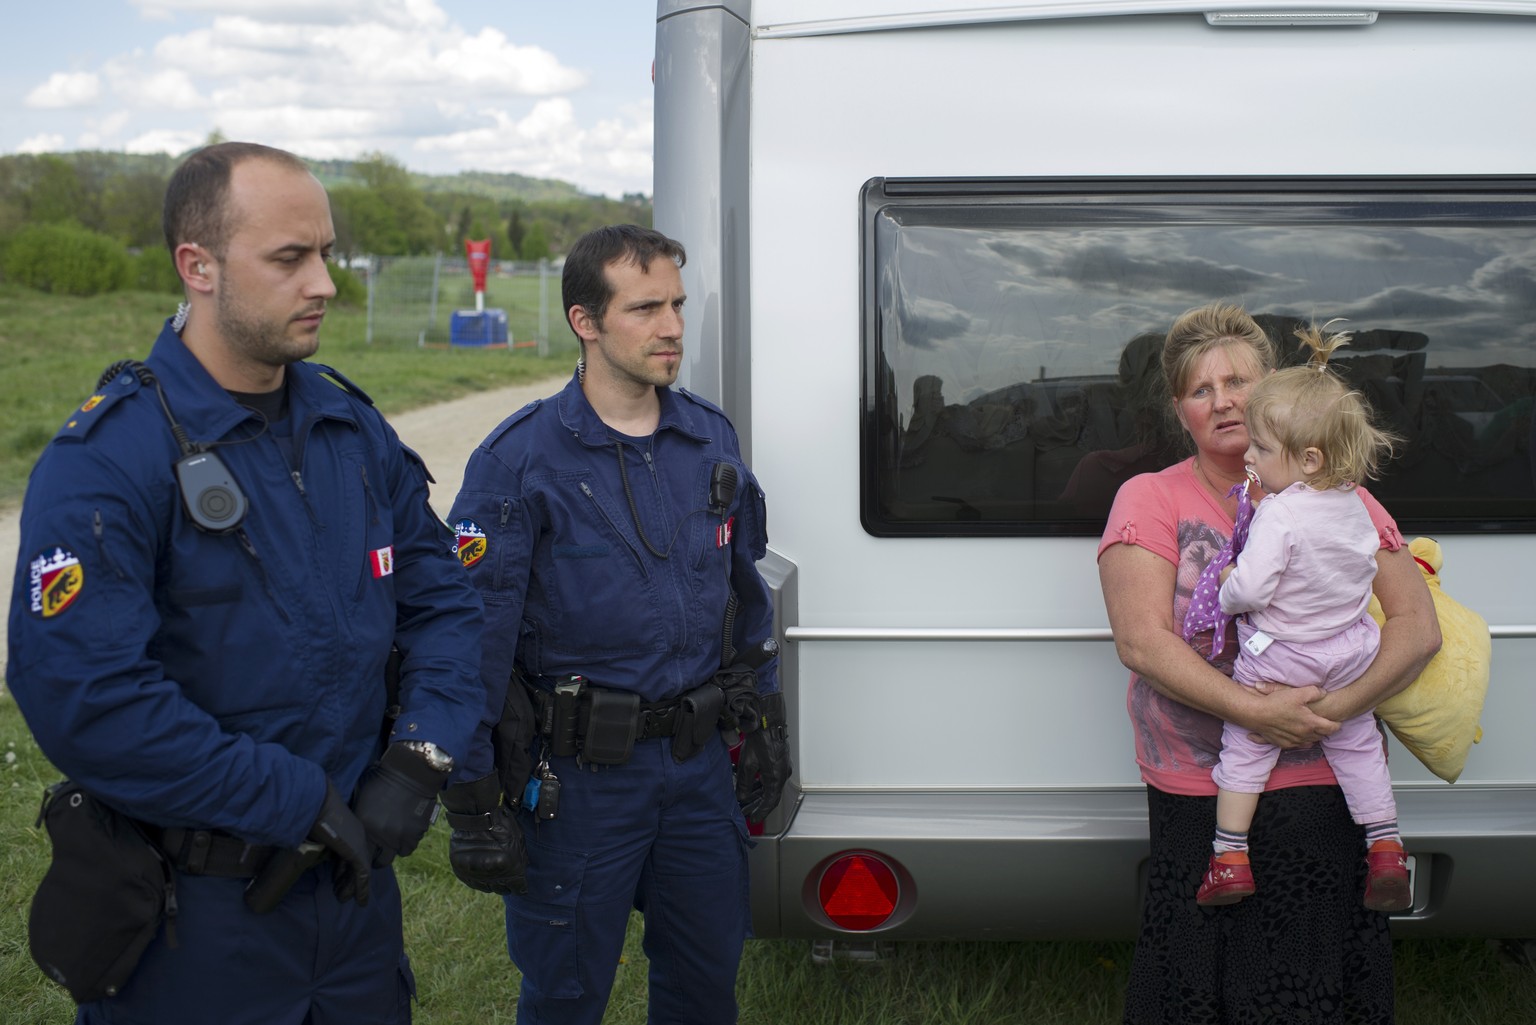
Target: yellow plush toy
1436, 716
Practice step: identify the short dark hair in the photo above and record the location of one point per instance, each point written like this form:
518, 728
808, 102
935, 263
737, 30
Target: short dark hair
196, 200
583, 282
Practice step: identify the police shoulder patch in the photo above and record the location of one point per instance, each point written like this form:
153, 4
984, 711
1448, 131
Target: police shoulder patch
55, 579
471, 544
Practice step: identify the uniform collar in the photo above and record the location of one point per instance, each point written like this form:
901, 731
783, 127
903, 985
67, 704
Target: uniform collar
577, 416
206, 410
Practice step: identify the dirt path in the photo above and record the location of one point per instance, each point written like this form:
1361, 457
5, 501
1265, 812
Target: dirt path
444, 435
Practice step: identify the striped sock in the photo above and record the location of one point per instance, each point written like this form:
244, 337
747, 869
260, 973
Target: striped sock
1230, 840
1374, 831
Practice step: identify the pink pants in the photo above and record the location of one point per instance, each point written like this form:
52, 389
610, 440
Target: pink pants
1355, 753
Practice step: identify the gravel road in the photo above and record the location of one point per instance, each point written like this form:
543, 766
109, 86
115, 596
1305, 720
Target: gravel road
444, 435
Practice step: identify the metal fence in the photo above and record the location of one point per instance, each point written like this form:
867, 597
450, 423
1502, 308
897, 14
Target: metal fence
412, 299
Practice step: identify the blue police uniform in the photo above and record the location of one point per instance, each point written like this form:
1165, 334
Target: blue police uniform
216, 682
621, 576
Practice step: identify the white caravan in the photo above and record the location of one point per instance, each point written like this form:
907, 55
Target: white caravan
931, 245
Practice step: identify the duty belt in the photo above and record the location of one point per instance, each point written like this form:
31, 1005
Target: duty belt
600, 725
210, 852
653, 718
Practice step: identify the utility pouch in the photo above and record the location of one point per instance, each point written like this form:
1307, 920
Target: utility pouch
698, 717
613, 720
103, 899
566, 715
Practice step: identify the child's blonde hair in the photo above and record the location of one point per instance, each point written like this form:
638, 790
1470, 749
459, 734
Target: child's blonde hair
1311, 407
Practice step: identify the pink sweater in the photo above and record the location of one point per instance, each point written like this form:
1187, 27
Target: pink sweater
1307, 568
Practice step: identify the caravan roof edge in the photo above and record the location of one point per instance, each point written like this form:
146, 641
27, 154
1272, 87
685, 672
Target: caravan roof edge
842, 18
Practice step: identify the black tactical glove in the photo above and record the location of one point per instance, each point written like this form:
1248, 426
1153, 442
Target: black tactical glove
762, 768
486, 847
397, 802
343, 835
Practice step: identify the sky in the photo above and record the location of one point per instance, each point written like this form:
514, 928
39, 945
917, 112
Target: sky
546, 88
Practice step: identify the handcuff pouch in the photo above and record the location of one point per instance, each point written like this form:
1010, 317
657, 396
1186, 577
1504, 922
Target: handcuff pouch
613, 720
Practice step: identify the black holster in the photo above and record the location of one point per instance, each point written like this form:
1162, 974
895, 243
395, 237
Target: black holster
107, 894
698, 719
512, 741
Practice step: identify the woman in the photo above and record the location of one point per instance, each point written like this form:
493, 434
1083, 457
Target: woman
1304, 950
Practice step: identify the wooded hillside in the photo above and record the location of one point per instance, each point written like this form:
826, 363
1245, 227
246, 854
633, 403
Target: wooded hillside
380, 207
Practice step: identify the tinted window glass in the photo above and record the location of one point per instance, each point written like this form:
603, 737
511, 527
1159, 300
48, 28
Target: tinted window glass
1012, 331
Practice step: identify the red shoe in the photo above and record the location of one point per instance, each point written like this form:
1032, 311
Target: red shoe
1386, 879
1227, 881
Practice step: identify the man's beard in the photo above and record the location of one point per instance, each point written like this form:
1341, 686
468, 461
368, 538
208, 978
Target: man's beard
263, 341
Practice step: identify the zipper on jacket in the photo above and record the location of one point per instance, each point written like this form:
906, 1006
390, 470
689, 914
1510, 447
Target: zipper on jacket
99, 529
261, 569
298, 482
506, 515
639, 562
373, 505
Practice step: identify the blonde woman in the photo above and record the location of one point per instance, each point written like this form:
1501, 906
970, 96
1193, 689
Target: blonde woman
1304, 948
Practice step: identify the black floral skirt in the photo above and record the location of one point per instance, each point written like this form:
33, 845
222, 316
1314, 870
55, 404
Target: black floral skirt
1303, 950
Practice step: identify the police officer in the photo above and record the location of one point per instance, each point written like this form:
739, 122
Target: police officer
613, 530
214, 603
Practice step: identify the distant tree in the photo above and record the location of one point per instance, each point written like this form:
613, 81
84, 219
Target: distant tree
396, 220
365, 225
516, 229
54, 194
381, 171
131, 205
466, 225
535, 243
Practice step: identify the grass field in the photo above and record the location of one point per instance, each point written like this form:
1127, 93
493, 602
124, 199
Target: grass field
53, 349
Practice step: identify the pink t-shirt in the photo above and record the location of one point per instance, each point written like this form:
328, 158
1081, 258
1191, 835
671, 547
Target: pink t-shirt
1171, 514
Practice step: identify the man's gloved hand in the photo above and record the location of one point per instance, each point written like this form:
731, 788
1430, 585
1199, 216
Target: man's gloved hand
486, 847
397, 802
762, 768
343, 835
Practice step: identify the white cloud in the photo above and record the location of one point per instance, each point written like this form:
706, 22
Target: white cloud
613, 157
166, 89
65, 89
41, 144
489, 60
354, 76
165, 140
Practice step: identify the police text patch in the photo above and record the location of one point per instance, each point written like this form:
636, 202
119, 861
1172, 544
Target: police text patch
54, 580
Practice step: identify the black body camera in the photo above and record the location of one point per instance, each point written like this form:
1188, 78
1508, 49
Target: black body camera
209, 492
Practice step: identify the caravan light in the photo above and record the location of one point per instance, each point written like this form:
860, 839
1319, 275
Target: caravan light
858, 891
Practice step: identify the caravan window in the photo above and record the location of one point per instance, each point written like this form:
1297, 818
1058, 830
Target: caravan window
1011, 331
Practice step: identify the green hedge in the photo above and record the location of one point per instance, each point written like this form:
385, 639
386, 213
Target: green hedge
349, 290
153, 271
67, 259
